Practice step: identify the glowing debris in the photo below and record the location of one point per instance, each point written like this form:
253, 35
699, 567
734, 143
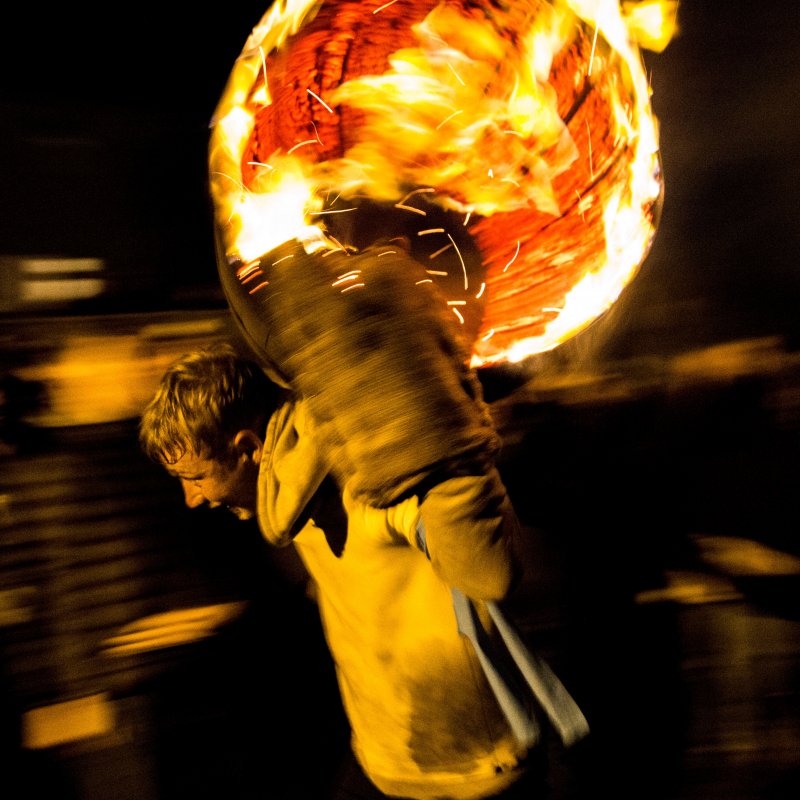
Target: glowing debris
317, 97
513, 258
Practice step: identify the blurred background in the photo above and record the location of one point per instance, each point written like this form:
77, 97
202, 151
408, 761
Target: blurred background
151, 653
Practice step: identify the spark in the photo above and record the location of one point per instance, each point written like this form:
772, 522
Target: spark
387, 253
440, 251
436, 272
459, 315
338, 244
510, 180
458, 77
301, 144
260, 286
354, 286
466, 219
481, 291
447, 119
233, 180
488, 335
589, 136
247, 269
352, 273
316, 132
333, 211
345, 280
553, 310
424, 280
463, 265
513, 259
591, 55
423, 190
456, 302
274, 263
491, 173
317, 97
430, 230
249, 278
260, 164
385, 5
411, 208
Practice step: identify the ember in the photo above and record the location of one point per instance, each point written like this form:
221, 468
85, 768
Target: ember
512, 145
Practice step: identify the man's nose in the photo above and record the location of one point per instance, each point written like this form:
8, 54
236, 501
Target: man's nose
192, 494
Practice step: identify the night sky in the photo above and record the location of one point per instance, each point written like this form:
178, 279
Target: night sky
104, 129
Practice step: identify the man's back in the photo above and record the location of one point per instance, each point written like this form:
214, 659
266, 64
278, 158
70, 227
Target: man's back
425, 723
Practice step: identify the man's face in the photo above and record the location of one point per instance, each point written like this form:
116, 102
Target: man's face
217, 483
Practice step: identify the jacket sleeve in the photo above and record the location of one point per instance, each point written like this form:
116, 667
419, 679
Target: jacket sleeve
470, 531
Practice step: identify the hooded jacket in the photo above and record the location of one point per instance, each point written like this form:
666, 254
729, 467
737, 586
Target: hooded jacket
424, 722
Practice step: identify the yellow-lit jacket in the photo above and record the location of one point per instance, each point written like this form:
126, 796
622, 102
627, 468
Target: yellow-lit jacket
424, 722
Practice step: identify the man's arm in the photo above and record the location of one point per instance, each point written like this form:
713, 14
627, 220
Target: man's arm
470, 530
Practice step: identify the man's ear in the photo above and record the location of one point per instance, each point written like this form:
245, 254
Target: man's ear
248, 443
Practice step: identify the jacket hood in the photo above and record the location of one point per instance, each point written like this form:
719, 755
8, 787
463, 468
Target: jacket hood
292, 469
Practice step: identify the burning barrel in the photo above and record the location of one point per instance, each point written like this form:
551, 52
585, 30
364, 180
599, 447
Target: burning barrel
511, 146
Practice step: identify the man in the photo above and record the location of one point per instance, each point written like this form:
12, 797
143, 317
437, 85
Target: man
425, 723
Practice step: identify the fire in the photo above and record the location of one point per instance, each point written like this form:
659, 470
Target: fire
529, 130
443, 115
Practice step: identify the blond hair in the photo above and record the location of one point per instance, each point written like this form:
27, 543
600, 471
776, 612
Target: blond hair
203, 399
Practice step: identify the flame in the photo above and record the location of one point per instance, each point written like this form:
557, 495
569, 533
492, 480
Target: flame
652, 23
283, 197
560, 195
443, 115
254, 221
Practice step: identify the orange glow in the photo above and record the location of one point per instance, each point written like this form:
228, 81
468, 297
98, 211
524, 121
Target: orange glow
532, 125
